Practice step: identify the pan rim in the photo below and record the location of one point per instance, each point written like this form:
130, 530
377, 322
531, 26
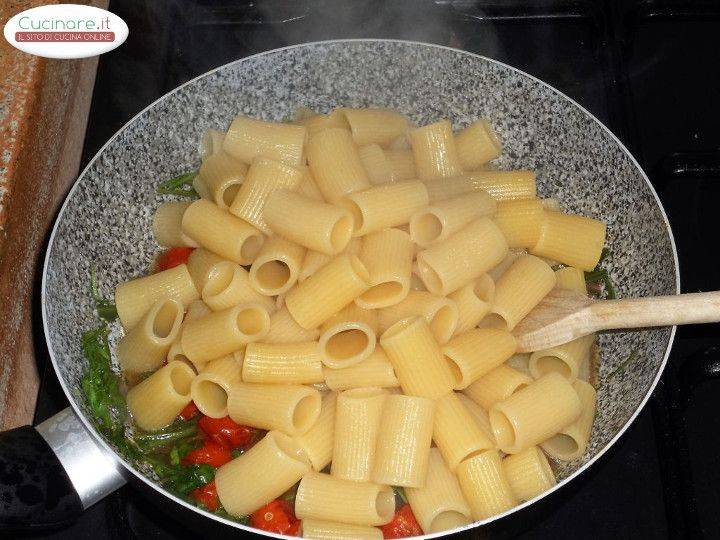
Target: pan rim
129, 468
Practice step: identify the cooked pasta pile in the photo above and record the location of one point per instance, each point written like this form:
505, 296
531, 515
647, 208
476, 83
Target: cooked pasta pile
352, 290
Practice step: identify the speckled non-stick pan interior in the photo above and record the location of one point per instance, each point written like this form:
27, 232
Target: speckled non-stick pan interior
107, 217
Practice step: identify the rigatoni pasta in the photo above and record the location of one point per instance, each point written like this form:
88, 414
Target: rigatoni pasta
247, 139
403, 441
370, 330
221, 232
477, 144
276, 452
263, 178
528, 473
434, 150
134, 298
167, 225
419, 364
442, 219
335, 164
466, 255
477, 352
388, 256
322, 496
358, 414
223, 175
308, 222
282, 363
292, 409
376, 370
348, 337
535, 413
440, 504
277, 266
384, 206
440, 313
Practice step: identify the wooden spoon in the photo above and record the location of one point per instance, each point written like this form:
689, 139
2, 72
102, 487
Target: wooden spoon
563, 316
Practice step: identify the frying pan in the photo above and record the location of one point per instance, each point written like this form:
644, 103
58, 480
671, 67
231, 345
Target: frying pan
106, 219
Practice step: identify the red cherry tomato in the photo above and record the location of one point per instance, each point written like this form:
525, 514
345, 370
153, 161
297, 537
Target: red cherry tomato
207, 495
403, 524
278, 517
211, 453
226, 432
173, 257
190, 411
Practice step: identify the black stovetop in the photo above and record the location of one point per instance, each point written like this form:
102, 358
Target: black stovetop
648, 69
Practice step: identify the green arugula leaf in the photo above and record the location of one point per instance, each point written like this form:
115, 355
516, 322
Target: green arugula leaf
182, 479
183, 448
180, 185
400, 495
599, 279
177, 432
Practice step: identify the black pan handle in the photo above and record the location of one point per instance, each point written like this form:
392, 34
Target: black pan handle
50, 473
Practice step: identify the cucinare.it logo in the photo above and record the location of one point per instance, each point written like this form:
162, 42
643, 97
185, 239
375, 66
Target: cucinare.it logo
66, 31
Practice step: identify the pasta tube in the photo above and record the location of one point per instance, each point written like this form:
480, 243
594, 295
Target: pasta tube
348, 337
440, 313
477, 352
520, 289
379, 126
403, 442
284, 329
572, 441
357, 422
417, 359
442, 219
455, 432
388, 205
223, 175
224, 332
477, 144
497, 385
221, 232
210, 388
572, 240
167, 225
440, 504
263, 178
378, 167
535, 413
134, 298
332, 530
473, 302
485, 485
321, 496
228, 284
319, 440
335, 164
328, 290
501, 185
292, 409
480, 415
314, 224
146, 345
564, 359
282, 363
277, 266
388, 256
528, 473
248, 139
433, 147
211, 142
465, 256
519, 221
244, 485
155, 402
571, 279
375, 370
402, 164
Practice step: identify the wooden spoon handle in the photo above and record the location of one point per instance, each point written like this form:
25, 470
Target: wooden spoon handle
654, 311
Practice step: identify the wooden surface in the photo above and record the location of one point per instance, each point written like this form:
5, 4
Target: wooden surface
43, 114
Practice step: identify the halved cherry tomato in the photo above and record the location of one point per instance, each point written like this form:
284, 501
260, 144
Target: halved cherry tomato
211, 453
226, 432
190, 411
173, 257
207, 495
278, 517
403, 524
